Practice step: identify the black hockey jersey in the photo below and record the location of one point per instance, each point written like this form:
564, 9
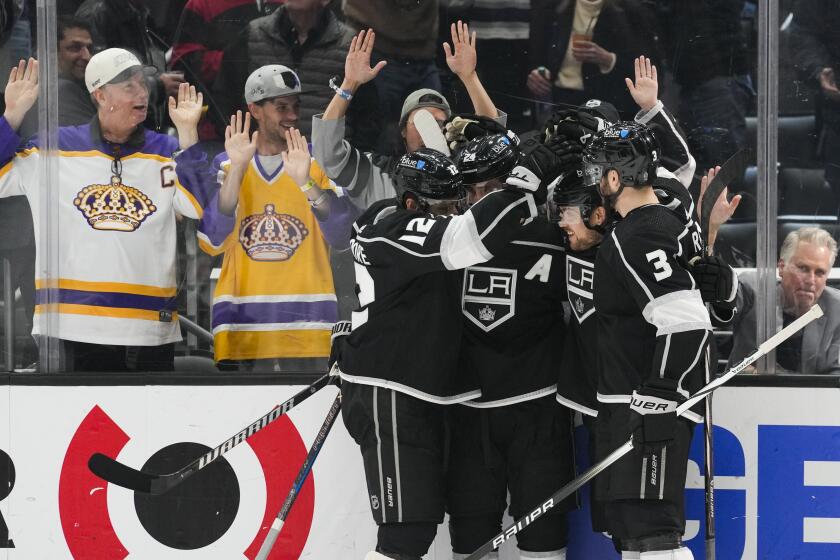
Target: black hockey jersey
578, 375
652, 321
578, 382
407, 330
512, 307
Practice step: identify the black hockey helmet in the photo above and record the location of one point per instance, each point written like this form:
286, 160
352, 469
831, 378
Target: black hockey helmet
488, 157
570, 190
430, 177
628, 147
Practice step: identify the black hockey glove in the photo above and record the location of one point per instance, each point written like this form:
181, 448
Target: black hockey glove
567, 151
461, 129
572, 125
537, 167
716, 280
340, 331
653, 414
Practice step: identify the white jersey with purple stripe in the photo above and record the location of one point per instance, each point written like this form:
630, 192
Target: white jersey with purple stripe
115, 231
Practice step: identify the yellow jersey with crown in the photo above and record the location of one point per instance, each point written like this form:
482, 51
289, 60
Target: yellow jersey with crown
275, 296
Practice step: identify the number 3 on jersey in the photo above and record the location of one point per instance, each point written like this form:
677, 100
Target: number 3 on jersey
419, 226
662, 269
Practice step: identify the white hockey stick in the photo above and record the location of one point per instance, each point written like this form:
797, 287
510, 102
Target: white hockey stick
596, 469
430, 132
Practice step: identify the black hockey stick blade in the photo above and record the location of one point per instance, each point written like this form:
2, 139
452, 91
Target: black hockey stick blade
596, 469
733, 169
113, 471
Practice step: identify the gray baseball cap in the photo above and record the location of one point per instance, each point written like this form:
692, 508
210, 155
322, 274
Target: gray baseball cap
272, 80
423, 98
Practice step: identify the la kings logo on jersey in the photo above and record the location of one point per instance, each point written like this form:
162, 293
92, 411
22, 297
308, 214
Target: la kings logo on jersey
580, 284
489, 296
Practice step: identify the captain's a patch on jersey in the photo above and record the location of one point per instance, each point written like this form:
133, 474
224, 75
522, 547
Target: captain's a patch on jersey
580, 285
488, 298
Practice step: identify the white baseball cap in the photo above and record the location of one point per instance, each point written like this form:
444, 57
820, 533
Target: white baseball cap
106, 65
272, 80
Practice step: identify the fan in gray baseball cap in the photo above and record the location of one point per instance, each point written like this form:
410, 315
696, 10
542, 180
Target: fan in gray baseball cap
272, 94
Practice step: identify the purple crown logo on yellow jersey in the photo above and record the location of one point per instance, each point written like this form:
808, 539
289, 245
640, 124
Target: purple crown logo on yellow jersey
114, 207
271, 236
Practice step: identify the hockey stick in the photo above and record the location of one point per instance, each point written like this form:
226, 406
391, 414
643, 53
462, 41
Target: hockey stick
596, 469
732, 169
117, 473
277, 525
709, 467
429, 130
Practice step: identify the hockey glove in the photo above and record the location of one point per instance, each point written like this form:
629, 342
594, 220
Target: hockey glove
463, 129
653, 414
572, 125
567, 152
537, 167
340, 331
716, 280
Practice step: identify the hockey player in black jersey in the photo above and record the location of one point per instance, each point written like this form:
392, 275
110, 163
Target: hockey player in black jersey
653, 333
400, 362
515, 438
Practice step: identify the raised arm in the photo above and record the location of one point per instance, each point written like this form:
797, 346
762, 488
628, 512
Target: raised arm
461, 58
644, 90
357, 71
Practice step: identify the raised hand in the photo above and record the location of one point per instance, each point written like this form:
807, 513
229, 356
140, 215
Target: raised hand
723, 208
645, 89
461, 57
357, 69
21, 91
240, 145
185, 112
296, 159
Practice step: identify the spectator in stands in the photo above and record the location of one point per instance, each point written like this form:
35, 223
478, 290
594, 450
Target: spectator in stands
75, 47
502, 28
366, 176
275, 301
307, 37
408, 34
815, 44
583, 49
126, 24
806, 259
705, 47
204, 30
112, 302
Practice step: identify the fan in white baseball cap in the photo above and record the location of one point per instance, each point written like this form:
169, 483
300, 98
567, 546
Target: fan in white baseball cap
106, 65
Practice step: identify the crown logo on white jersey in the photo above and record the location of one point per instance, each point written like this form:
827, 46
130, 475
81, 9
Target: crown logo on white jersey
486, 314
114, 207
271, 236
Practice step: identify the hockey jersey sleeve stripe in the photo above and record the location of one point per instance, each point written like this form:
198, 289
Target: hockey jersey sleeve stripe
276, 327
395, 245
105, 299
111, 312
673, 144
461, 245
676, 312
275, 298
527, 199
133, 289
630, 268
271, 313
